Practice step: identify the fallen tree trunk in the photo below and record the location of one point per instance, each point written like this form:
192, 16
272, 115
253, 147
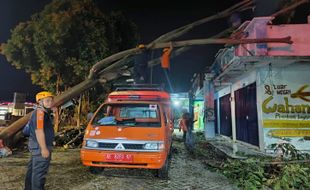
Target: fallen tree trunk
290, 8
102, 64
239, 7
228, 30
223, 41
109, 75
14, 127
59, 100
179, 51
184, 29
119, 60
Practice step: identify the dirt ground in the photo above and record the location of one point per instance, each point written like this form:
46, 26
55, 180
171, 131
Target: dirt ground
67, 172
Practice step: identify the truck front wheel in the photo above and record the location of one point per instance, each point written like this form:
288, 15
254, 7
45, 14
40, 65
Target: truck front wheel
163, 172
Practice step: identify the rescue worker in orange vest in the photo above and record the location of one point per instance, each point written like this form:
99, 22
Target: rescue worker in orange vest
165, 63
184, 124
41, 139
165, 58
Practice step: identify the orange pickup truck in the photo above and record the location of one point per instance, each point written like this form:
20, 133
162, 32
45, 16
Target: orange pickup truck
132, 129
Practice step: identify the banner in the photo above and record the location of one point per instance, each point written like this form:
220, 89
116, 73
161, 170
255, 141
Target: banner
285, 105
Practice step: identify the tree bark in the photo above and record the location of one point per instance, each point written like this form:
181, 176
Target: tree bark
78, 121
59, 100
15, 127
290, 8
184, 29
56, 120
222, 41
74, 91
57, 113
239, 7
98, 66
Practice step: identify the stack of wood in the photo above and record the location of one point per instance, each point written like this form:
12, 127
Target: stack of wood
70, 138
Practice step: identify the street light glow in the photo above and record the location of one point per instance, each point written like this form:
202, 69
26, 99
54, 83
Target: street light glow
176, 103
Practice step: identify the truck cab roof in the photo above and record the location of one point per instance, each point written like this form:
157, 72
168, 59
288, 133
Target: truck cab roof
142, 95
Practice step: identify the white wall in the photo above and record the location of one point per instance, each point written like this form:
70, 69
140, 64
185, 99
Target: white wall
237, 83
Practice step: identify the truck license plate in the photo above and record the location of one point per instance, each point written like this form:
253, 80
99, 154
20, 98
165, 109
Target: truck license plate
119, 157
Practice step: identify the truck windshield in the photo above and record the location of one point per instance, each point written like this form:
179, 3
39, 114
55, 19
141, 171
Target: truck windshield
134, 115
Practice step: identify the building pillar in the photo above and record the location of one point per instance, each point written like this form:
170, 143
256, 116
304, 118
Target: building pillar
209, 107
233, 119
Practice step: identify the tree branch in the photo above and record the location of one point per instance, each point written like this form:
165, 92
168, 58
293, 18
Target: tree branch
184, 29
180, 31
187, 43
290, 8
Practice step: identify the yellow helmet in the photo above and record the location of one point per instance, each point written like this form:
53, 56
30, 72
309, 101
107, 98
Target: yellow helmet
43, 94
165, 49
141, 46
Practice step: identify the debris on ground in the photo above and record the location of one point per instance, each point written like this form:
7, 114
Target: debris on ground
4, 150
70, 138
67, 173
258, 171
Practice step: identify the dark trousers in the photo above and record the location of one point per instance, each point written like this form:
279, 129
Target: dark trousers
36, 173
184, 136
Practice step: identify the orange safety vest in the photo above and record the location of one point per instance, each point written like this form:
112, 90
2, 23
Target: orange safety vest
182, 125
165, 59
1, 143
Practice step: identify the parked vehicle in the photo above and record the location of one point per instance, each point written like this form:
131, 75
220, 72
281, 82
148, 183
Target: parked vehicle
132, 129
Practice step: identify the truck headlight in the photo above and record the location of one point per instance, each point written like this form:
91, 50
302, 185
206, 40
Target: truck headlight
154, 146
91, 144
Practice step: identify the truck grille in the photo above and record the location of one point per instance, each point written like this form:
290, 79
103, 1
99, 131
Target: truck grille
133, 146
107, 145
127, 146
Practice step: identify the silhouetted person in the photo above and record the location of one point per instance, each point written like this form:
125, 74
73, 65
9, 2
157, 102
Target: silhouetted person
184, 124
141, 66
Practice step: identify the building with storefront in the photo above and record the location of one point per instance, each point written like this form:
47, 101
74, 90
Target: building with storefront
258, 94
196, 100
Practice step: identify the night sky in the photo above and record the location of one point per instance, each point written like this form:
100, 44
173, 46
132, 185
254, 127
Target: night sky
153, 19
11, 79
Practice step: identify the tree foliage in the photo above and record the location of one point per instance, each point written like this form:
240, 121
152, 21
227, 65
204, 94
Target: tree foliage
58, 45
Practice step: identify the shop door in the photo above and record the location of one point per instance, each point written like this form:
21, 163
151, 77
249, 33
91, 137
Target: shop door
225, 116
215, 117
246, 115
